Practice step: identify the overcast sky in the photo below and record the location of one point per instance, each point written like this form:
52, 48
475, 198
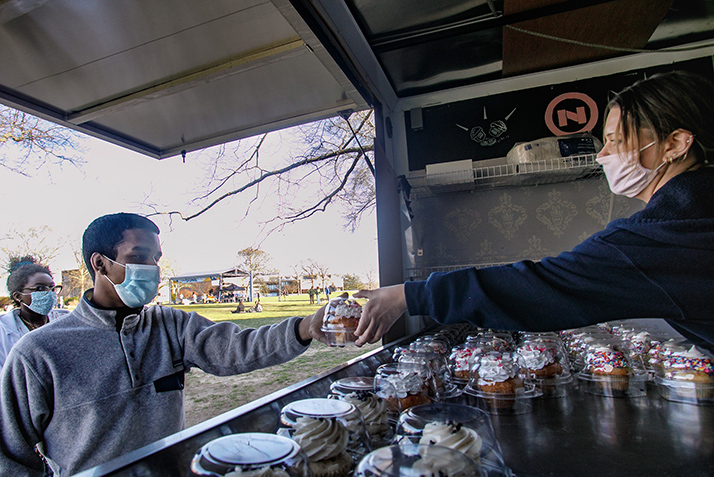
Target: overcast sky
117, 180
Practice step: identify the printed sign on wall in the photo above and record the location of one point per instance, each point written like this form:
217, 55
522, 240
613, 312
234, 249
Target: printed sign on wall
488, 127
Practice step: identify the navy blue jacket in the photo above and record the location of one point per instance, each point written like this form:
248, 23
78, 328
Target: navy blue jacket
658, 263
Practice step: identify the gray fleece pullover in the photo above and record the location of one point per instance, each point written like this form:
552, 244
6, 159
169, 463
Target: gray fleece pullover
87, 393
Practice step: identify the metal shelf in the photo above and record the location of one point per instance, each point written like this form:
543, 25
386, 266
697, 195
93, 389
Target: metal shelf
422, 273
550, 171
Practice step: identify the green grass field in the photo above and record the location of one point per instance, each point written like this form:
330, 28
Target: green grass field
273, 310
208, 396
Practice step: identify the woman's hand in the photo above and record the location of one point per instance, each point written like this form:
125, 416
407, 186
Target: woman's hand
384, 307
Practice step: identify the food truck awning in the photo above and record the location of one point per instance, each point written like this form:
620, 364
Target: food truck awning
168, 76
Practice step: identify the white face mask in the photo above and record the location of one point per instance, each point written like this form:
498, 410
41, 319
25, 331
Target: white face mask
625, 174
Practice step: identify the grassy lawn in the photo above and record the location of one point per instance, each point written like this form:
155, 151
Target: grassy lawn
207, 396
273, 310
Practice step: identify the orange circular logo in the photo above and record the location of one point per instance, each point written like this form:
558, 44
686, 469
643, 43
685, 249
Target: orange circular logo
569, 111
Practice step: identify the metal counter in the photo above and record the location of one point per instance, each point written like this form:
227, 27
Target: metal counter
586, 435
578, 435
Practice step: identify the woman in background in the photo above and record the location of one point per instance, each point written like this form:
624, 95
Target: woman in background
34, 293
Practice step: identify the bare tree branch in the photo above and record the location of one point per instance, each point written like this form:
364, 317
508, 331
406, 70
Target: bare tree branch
39, 140
263, 177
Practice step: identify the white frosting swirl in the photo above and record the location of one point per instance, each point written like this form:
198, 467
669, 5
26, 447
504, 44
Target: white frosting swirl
342, 308
429, 466
373, 408
348, 309
494, 368
457, 437
262, 472
320, 438
406, 382
694, 353
535, 356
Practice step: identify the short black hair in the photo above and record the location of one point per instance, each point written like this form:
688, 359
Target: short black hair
21, 269
104, 234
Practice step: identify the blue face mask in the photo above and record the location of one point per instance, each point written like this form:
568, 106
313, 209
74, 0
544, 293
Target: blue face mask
42, 302
140, 285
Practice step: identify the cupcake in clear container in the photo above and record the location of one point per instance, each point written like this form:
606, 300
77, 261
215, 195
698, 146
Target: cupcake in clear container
687, 376
359, 391
611, 369
462, 428
440, 370
498, 384
417, 460
546, 364
403, 385
252, 455
497, 340
579, 343
431, 343
463, 356
330, 431
341, 319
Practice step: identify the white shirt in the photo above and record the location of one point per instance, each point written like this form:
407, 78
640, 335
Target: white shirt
12, 328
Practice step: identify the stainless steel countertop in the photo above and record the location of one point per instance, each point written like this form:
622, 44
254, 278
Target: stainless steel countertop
587, 435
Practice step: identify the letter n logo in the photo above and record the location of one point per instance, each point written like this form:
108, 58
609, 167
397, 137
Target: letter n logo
571, 113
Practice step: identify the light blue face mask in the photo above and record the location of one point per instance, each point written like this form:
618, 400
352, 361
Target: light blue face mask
140, 285
42, 302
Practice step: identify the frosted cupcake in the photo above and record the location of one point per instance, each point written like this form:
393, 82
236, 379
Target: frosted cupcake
687, 376
499, 385
463, 428
403, 385
454, 436
541, 359
438, 364
498, 373
374, 412
612, 370
317, 425
341, 319
417, 460
545, 363
462, 357
325, 443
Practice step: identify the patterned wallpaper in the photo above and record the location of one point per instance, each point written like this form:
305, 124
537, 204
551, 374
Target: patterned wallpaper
512, 224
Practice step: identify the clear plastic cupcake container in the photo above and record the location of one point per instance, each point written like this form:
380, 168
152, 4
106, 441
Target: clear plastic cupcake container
328, 409
462, 428
340, 337
341, 318
250, 454
431, 343
417, 460
580, 342
359, 391
687, 375
463, 358
499, 385
547, 365
440, 370
497, 340
612, 369
403, 385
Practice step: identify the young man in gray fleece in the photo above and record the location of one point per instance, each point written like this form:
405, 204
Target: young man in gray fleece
108, 377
